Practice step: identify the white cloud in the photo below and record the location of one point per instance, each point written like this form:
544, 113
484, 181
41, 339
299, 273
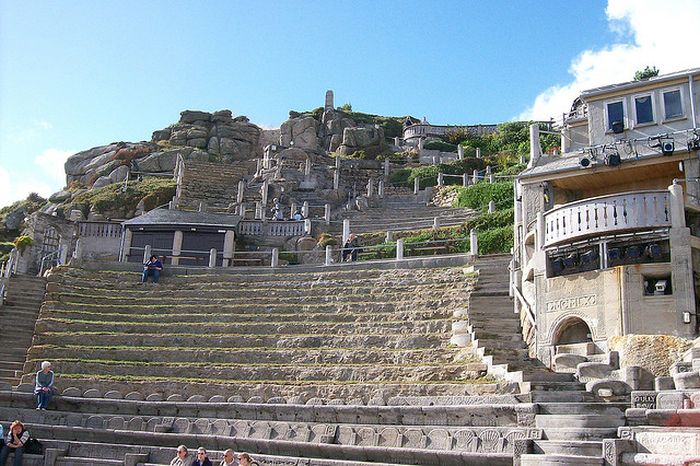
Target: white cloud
16, 188
51, 161
652, 33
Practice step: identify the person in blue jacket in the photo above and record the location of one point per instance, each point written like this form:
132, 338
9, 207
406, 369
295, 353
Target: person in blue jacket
152, 269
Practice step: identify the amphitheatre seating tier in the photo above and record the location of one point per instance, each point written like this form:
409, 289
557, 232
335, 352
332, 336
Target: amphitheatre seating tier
336, 335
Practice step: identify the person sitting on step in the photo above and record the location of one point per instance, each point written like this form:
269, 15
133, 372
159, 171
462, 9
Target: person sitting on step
152, 268
43, 388
351, 248
298, 215
14, 443
244, 459
182, 458
229, 458
202, 458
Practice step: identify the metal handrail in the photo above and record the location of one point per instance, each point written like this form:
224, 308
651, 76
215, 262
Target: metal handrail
528, 309
50, 258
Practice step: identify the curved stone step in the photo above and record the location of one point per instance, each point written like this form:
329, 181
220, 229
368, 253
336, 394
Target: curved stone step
560, 460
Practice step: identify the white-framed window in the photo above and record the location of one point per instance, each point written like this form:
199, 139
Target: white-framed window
673, 104
615, 114
643, 109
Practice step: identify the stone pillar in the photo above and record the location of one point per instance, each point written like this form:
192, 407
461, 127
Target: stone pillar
420, 144
307, 226
416, 185
212, 258
275, 260
540, 232
327, 213
387, 168
370, 187
465, 180
475, 176
241, 210
329, 105
307, 168
460, 152
492, 207
336, 179
292, 209
436, 223
677, 206
229, 247
127, 245
258, 210
346, 229
473, 243
389, 236
170, 205
535, 148
440, 179
492, 178
305, 209
146, 253
329, 255
380, 188
436, 160
258, 168
397, 141
337, 163
264, 190
478, 153
177, 247
241, 191
399, 249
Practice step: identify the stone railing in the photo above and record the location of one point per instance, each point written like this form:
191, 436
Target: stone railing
273, 228
607, 214
99, 229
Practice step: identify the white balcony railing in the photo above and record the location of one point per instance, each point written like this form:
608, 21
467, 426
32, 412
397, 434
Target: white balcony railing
607, 214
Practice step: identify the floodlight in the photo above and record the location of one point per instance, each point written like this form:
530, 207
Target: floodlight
633, 252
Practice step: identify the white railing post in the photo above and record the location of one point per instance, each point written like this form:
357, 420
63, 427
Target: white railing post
380, 188
436, 223
475, 176
307, 226
346, 229
473, 243
327, 213
292, 209
146, 253
241, 191
275, 260
258, 210
305, 209
416, 185
465, 180
540, 232
478, 153
440, 180
492, 207
389, 236
399, 249
387, 167
677, 206
370, 187
329, 254
336, 179
212, 258
241, 210
460, 152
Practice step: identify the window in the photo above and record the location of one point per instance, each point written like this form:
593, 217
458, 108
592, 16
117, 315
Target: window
644, 109
673, 107
616, 114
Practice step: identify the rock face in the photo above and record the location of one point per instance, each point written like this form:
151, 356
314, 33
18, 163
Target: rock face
199, 136
654, 353
368, 138
300, 133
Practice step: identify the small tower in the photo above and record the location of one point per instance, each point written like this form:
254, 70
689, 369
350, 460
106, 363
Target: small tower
329, 101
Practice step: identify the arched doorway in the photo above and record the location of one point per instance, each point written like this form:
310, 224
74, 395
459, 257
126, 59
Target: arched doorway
572, 330
51, 241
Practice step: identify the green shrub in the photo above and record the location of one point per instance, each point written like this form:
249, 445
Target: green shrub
291, 258
478, 196
496, 240
441, 146
400, 177
486, 221
327, 240
23, 242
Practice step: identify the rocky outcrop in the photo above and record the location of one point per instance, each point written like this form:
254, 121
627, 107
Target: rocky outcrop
301, 133
102, 162
368, 138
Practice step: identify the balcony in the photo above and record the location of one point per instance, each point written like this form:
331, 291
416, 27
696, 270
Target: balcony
605, 215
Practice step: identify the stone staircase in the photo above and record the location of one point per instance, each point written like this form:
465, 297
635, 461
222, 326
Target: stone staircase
214, 185
18, 316
403, 212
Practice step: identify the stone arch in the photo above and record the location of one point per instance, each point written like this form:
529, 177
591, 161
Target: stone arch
572, 329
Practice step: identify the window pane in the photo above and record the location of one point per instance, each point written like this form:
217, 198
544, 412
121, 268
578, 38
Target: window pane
615, 113
644, 110
672, 104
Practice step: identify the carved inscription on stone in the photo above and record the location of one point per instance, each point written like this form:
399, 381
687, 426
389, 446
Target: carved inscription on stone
575, 302
643, 400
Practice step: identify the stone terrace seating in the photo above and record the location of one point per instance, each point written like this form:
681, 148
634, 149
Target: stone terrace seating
355, 336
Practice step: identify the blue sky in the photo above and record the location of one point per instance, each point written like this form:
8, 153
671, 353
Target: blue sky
77, 74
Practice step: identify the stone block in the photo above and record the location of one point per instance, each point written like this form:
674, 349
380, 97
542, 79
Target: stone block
181, 425
636, 377
666, 442
154, 397
135, 396
680, 367
692, 353
589, 371
603, 387
217, 399
25, 388
176, 397
196, 399
356, 402
695, 399
115, 423
5, 387
235, 399
95, 422
643, 399
566, 362
220, 427
92, 393
255, 399
376, 401
71, 391
336, 402
670, 400
277, 400
686, 380
636, 416
314, 402
113, 395
663, 383
135, 423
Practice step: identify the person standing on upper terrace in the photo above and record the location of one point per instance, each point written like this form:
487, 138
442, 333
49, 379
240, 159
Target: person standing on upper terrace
43, 388
14, 443
152, 269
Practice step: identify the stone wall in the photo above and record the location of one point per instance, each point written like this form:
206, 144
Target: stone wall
655, 353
